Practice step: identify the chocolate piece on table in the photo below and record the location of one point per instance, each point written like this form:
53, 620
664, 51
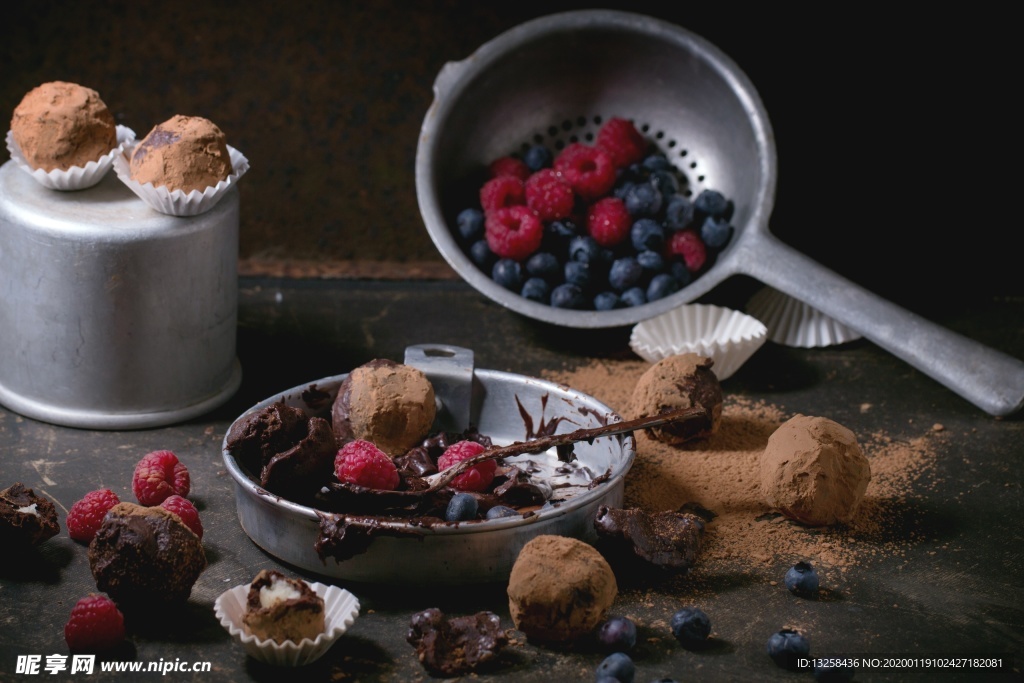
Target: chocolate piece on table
26, 518
455, 646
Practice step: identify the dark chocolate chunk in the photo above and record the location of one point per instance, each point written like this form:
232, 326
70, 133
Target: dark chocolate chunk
26, 518
458, 645
669, 540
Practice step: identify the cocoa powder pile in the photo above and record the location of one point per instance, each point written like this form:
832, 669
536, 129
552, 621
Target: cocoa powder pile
721, 473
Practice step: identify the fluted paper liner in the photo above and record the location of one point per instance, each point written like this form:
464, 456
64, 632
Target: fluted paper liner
179, 202
76, 177
793, 323
340, 611
726, 336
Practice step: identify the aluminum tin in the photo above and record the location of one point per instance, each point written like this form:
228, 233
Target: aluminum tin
114, 316
550, 77
476, 552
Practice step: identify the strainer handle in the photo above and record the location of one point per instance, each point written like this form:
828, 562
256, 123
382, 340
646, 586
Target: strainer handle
987, 377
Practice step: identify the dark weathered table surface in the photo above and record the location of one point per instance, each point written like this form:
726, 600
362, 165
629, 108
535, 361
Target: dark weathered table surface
291, 332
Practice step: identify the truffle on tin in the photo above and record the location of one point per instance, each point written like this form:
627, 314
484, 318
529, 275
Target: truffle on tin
183, 153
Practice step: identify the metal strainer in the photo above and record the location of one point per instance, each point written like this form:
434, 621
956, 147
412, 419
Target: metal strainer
555, 79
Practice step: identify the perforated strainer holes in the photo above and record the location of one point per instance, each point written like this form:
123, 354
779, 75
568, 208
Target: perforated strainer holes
584, 129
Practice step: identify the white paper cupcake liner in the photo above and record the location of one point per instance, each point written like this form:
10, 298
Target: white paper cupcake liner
340, 610
76, 177
178, 202
726, 336
793, 323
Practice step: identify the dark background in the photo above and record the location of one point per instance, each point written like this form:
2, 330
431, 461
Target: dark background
897, 135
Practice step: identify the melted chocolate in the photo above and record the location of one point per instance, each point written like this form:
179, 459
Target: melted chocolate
343, 537
669, 540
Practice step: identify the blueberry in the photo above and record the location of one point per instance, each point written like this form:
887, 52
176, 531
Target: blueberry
508, 274
666, 182
715, 231
461, 507
557, 235
634, 296
584, 248
787, 646
711, 203
622, 188
624, 273
482, 256
651, 261
606, 301
544, 265
617, 634
642, 199
537, 157
470, 223
833, 674
678, 212
662, 285
618, 666
578, 273
691, 627
681, 273
536, 289
499, 511
657, 162
647, 234
802, 580
568, 296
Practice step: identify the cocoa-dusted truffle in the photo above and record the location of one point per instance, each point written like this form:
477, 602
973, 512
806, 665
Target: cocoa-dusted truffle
26, 518
182, 153
673, 383
667, 540
294, 452
59, 125
455, 646
560, 589
145, 556
389, 404
279, 608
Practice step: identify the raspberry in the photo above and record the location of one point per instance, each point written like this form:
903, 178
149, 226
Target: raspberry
516, 168
608, 221
688, 245
159, 475
589, 170
514, 232
86, 515
505, 190
620, 139
95, 625
476, 478
184, 508
362, 463
550, 197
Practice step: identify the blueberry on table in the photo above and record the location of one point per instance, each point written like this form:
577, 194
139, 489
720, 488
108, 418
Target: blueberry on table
462, 507
802, 580
617, 666
787, 647
691, 627
617, 634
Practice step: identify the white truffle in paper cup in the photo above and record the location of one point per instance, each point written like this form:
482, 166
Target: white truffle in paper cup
340, 611
791, 322
726, 336
75, 177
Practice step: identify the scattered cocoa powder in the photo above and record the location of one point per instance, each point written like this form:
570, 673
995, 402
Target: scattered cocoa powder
720, 473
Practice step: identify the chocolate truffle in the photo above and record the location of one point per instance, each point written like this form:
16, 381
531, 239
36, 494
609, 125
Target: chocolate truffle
560, 589
183, 153
455, 646
813, 471
294, 452
387, 403
59, 125
26, 518
279, 608
673, 383
145, 556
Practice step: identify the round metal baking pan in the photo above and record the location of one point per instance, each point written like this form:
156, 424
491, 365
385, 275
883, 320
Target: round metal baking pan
505, 406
